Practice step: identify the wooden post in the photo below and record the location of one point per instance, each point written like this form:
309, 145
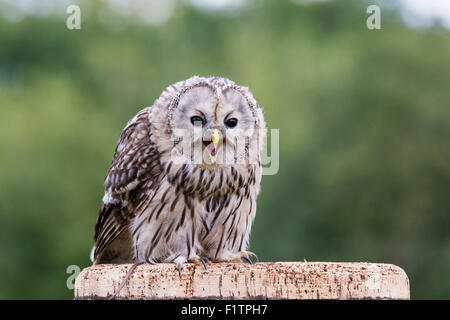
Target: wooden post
279, 280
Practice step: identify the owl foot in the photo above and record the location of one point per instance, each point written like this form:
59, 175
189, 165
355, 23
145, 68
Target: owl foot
228, 256
240, 257
199, 261
193, 259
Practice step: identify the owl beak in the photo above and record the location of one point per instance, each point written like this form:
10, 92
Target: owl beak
215, 138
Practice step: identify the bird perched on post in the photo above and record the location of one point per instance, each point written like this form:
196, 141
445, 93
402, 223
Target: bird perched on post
184, 179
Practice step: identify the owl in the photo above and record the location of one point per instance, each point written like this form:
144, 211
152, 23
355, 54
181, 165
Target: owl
184, 180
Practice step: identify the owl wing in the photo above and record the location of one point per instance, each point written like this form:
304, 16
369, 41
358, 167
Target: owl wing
134, 172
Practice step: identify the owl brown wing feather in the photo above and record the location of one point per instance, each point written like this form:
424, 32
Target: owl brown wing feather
134, 171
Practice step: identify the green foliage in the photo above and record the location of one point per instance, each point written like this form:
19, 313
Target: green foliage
363, 118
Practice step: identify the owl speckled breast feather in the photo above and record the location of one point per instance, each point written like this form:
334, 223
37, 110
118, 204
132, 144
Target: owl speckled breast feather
184, 179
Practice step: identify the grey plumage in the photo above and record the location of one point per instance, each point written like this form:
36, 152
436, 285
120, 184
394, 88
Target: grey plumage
156, 209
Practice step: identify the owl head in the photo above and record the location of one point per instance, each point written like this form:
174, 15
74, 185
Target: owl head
209, 123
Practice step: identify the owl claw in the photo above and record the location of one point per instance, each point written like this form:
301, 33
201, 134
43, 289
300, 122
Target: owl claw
247, 259
248, 254
252, 254
204, 263
198, 261
179, 261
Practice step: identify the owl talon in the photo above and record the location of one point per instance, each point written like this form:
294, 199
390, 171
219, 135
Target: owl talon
247, 259
252, 254
179, 261
205, 261
179, 269
197, 261
248, 254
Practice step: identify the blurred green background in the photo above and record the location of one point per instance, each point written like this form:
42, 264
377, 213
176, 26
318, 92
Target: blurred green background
363, 118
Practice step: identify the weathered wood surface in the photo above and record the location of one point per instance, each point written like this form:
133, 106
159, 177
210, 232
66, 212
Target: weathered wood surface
280, 280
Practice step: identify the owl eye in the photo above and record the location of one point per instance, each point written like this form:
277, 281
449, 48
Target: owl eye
197, 119
231, 123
